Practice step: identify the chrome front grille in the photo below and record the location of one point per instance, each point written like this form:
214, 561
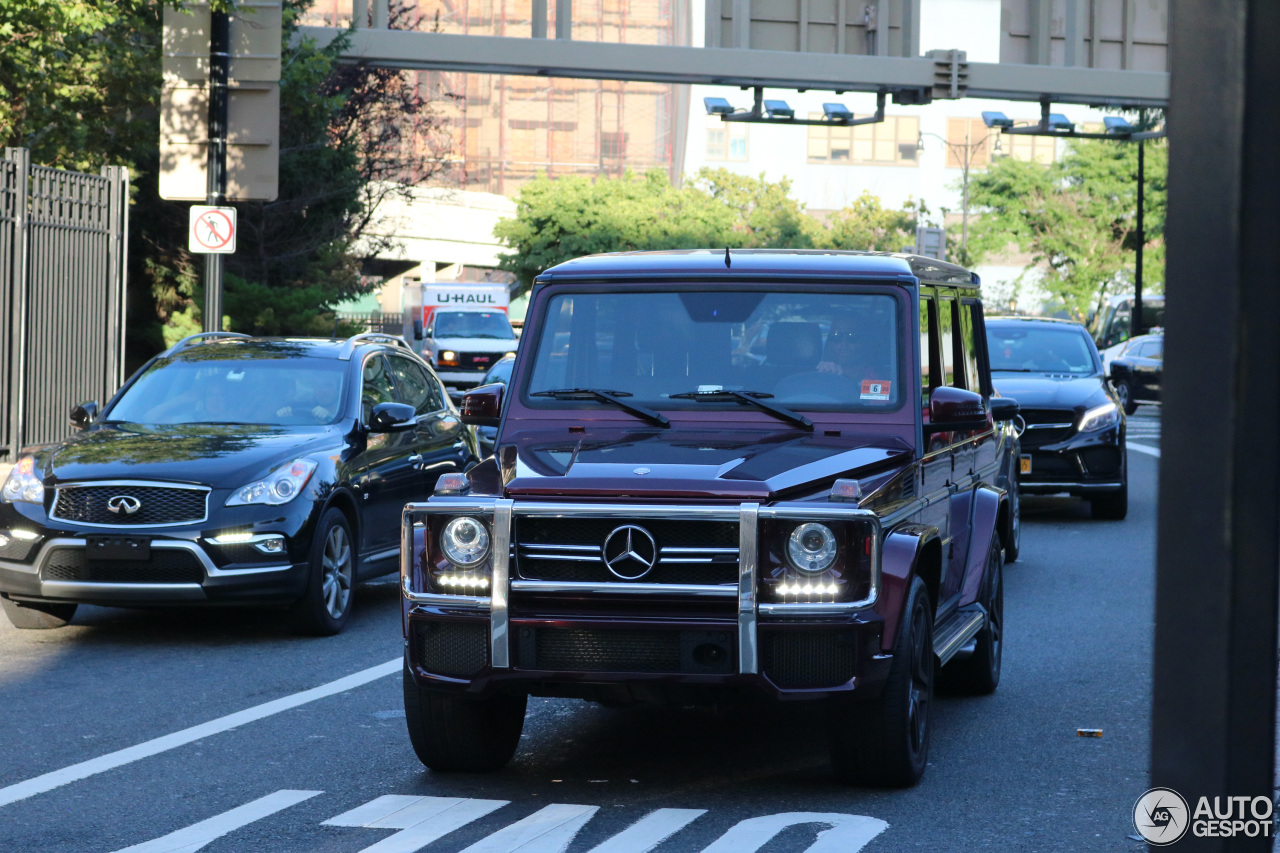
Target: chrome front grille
1046, 426
157, 504
572, 549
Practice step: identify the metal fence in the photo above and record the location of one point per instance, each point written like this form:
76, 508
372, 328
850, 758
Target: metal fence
389, 324
63, 238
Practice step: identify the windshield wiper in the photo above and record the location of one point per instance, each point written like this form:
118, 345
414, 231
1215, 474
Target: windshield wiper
606, 396
1014, 370
754, 398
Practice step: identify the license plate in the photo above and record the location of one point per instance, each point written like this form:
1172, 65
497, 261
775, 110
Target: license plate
1024, 465
117, 548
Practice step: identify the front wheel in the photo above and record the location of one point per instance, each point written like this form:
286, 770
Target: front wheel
37, 615
885, 742
325, 607
1112, 506
453, 731
1013, 546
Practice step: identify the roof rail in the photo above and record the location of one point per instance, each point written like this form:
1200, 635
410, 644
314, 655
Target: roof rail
190, 340
371, 338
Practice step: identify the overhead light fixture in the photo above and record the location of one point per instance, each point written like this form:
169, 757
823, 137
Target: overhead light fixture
717, 106
919, 141
1118, 125
997, 148
993, 118
837, 112
1057, 121
778, 109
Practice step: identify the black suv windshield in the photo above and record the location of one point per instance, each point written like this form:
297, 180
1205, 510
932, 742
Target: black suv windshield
473, 324
1027, 348
676, 349
294, 390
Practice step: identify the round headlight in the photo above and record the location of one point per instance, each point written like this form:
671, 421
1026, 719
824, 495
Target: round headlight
812, 547
465, 541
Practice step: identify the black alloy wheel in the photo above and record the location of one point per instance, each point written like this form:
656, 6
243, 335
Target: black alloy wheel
885, 742
455, 732
1013, 546
37, 615
325, 607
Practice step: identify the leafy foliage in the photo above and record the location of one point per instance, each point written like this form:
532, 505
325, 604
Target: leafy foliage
1076, 217
557, 220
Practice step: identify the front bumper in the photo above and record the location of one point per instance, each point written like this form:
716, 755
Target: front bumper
636, 640
1082, 464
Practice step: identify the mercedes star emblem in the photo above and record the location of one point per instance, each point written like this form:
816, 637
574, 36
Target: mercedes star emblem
127, 504
630, 552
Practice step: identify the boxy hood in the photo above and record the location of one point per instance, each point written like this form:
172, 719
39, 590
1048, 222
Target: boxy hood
212, 455
682, 464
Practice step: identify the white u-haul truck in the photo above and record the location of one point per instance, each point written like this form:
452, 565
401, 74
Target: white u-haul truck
465, 329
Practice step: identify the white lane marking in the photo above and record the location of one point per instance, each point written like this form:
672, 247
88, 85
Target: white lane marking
650, 831
112, 760
192, 838
421, 820
847, 834
1142, 448
548, 830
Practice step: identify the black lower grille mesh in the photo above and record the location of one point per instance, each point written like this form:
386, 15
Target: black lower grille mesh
808, 658
164, 566
456, 649
608, 650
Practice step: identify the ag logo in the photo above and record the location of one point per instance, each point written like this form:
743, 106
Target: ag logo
1160, 816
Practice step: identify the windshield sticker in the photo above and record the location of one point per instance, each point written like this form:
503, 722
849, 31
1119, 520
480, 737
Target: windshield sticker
875, 389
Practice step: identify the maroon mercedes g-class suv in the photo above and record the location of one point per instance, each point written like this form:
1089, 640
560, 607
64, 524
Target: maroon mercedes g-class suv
717, 474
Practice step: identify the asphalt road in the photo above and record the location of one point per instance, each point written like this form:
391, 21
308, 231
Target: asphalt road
81, 768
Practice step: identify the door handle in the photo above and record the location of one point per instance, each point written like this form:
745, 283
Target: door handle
416, 461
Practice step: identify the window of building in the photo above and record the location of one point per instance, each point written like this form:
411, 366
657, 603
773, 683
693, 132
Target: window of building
726, 140
613, 144
892, 141
980, 141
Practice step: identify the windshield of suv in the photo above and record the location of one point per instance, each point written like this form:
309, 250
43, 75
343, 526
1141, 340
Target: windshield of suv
1025, 348
273, 392
473, 324
683, 349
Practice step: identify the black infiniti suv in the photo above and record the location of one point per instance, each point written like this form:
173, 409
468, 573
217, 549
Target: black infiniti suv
231, 470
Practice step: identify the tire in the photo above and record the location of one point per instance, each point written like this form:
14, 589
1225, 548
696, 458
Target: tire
325, 607
455, 732
1124, 390
1013, 547
33, 615
885, 742
1112, 506
979, 674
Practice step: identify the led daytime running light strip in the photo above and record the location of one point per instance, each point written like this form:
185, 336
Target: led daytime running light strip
807, 589
463, 580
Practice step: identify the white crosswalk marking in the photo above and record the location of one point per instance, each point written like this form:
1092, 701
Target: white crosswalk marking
421, 819
193, 837
548, 830
650, 831
848, 833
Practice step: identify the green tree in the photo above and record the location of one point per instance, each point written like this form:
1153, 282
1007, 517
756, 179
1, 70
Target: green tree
868, 225
1076, 217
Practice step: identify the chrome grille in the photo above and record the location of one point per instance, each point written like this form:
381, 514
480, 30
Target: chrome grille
571, 549
158, 504
1047, 426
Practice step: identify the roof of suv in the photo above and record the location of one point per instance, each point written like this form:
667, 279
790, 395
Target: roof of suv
340, 348
738, 263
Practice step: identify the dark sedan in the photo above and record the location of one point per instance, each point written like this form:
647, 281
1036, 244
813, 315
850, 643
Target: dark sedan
1074, 437
1136, 371
231, 470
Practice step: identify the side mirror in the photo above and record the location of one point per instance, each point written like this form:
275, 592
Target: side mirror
392, 417
417, 328
1004, 408
483, 406
955, 409
83, 414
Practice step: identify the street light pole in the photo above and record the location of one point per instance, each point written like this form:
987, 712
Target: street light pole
966, 161
1136, 321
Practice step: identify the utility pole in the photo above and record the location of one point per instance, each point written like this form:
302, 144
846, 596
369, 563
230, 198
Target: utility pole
1136, 322
219, 68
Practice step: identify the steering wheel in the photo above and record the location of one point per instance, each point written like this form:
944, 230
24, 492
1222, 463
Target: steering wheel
816, 386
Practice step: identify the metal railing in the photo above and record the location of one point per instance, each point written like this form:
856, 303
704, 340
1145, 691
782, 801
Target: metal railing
63, 238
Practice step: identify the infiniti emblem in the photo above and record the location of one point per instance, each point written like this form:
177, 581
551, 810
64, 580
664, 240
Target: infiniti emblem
629, 552
127, 504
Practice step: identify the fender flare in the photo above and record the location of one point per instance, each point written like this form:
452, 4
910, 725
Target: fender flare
899, 564
988, 503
